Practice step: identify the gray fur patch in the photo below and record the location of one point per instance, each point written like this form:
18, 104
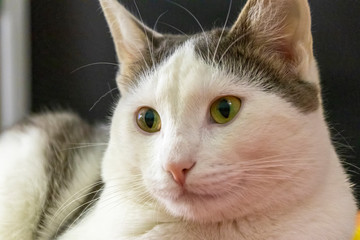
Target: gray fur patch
160, 48
88, 201
65, 132
238, 55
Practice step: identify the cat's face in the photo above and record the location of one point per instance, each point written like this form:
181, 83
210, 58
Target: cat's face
195, 166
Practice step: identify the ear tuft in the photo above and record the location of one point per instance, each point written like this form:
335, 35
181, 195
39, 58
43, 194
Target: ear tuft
279, 27
132, 39
128, 36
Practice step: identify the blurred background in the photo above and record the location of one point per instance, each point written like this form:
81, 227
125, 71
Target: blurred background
58, 54
15, 68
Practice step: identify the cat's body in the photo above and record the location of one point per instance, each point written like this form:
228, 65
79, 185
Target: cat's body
269, 172
47, 172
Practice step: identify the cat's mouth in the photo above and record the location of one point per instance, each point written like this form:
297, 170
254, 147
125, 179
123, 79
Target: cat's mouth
198, 206
197, 191
186, 195
201, 196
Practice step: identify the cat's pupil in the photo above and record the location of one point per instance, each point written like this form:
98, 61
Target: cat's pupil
149, 118
224, 108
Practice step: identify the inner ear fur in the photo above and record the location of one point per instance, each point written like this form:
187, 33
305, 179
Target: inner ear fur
132, 40
280, 28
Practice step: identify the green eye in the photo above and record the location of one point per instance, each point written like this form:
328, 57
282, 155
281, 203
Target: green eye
148, 120
225, 109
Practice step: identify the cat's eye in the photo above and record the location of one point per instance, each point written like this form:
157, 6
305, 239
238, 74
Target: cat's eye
225, 109
148, 120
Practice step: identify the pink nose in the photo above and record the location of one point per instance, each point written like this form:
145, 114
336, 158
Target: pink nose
179, 170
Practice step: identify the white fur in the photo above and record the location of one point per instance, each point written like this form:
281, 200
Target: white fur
236, 190
86, 172
22, 182
270, 173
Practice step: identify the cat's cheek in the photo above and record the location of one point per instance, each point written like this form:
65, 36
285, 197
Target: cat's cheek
160, 183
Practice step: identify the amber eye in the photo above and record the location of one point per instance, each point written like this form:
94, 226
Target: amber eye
225, 109
148, 120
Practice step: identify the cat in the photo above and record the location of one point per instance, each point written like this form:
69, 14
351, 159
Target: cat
217, 135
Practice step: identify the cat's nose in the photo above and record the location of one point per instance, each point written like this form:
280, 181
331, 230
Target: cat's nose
179, 170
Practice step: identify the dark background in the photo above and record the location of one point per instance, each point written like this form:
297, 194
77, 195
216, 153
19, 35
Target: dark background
74, 64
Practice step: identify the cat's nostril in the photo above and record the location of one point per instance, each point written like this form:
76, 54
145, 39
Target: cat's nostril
179, 170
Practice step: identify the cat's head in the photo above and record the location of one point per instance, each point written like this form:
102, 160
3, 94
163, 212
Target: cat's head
219, 124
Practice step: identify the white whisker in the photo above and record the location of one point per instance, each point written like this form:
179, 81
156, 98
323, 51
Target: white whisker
111, 92
222, 31
197, 21
101, 97
85, 146
158, 19
175, 28
93, 64
232, 44
146, 34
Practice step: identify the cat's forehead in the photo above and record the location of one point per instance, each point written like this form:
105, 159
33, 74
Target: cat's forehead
180, 66
183, 72
185, 78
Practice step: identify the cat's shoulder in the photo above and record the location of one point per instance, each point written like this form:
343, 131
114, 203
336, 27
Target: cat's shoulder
49, 122
50, 135
62, 128
39, 158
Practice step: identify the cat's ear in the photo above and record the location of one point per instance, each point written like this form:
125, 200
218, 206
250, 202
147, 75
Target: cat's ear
132, 39
279, 27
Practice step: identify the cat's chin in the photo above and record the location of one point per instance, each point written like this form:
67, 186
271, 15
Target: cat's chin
200, 208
